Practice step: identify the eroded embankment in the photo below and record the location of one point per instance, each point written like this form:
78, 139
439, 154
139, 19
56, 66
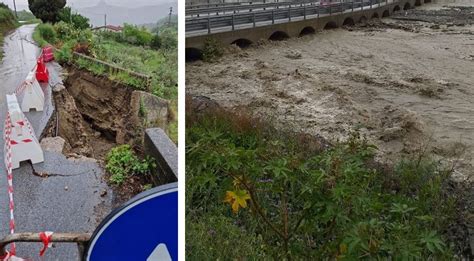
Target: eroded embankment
95, 114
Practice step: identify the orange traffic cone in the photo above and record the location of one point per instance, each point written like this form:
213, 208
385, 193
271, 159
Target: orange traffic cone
42, 74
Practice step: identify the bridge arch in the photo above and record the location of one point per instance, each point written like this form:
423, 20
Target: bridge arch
417, 2
396, 9
348, 21
242, 42
330, 25
407, 6
193, 54
375, 15
307, 31
278, 36
386, 13
427, 1
363, 20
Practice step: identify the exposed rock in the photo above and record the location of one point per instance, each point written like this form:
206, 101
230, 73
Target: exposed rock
153, 109
55, 144
202, 104
293, 54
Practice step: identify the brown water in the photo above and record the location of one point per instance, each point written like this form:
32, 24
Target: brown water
405, 89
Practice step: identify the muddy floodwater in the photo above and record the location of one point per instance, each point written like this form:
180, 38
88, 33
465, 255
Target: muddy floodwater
407, 84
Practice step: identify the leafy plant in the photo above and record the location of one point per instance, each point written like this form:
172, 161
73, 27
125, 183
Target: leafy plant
121, 163
303, 202
47, 32
75, 20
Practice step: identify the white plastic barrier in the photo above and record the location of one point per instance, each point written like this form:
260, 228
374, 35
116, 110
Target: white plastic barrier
33, 96
19, 133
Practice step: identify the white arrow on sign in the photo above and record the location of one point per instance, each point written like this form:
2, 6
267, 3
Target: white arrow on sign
160, 254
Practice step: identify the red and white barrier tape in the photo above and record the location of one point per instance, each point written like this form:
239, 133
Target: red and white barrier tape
45, 237
9, 167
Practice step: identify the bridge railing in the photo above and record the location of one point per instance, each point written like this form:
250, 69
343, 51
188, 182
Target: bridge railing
280, 14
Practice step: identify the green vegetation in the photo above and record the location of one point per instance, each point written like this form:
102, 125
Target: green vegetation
254, 192
136, 49
27, 17
76, 20
161, 65
7, 23
46, 10
47, 32
212, 50
122, 163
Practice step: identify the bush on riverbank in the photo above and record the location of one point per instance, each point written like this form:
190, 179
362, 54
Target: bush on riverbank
262, 193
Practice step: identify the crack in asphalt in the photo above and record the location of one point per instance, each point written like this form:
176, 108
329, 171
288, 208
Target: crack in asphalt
43, 174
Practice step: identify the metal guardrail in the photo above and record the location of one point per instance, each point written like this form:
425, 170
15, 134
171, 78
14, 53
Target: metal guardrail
81, 239
278, 14
245, 7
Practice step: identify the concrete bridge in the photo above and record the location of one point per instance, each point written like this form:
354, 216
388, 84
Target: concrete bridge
299, 21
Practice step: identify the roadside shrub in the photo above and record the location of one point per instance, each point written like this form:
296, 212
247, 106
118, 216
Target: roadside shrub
64, 31
47, 32
121, 163
64, 54
6, 15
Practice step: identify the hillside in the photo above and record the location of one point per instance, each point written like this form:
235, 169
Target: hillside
7, 23
118, 15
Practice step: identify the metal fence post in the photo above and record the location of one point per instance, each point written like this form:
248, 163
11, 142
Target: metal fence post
273, 17
233, 22
304, 12
208, 25
253, 20
289, 13
352, 5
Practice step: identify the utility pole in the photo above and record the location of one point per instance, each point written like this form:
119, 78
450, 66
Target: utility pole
105, 22
169, 19
14, 7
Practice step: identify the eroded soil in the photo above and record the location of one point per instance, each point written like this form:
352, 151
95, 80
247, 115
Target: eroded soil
94, 115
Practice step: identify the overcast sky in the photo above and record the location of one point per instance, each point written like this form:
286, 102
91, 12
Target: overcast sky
23, 4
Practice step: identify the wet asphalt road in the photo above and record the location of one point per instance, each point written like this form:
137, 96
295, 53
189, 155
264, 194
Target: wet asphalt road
67, 201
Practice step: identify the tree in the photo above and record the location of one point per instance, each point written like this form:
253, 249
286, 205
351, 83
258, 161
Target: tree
156, 42
78, 21
46, 10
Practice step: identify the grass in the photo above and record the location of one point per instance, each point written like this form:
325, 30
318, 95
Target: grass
255, 192
161, 65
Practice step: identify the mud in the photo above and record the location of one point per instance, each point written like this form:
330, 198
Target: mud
94, 115
404, 84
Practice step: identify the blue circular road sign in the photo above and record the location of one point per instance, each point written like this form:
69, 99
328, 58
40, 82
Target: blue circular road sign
144, 228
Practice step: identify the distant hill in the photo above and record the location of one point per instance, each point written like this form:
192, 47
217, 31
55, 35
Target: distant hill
163, 22
118, 15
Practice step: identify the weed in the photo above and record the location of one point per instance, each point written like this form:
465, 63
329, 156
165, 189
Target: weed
272, 193
121, 163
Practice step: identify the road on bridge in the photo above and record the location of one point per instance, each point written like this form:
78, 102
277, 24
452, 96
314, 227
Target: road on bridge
69, 200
